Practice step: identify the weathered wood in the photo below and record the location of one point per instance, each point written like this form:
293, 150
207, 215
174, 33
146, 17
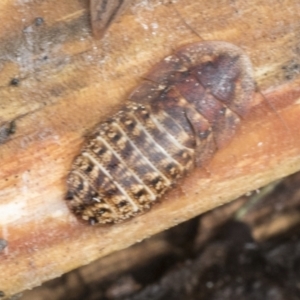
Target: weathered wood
66, 82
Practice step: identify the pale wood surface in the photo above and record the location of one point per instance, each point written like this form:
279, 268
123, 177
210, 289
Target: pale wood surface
69, 81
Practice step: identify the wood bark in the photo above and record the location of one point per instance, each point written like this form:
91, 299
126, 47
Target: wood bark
57, 82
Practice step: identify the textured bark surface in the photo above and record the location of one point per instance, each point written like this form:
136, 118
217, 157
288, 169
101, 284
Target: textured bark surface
57, 82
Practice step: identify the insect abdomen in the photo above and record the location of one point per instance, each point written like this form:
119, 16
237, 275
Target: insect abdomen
191, 107
127, 165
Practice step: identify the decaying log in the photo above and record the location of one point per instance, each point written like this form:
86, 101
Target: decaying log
57, 82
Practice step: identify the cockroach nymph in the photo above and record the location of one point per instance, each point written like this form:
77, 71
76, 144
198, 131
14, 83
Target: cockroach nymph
189, 106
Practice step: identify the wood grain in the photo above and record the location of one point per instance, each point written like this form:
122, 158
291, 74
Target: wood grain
68, 82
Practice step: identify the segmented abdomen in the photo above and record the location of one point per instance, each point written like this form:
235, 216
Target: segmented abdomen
190, 106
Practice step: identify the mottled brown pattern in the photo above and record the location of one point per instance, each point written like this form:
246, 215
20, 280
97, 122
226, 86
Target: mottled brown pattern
189, 107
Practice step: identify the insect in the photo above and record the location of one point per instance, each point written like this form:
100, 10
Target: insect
189, 106
104, 13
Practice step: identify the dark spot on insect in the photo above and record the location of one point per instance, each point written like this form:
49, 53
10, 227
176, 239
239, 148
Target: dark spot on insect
78, 209
111, 192
140, 193
69, 195
95, 194
130, 124
144, 113
3, 244
209, 65
116, 137
80, 186
15, 82
170, 166
45, 57
204, 134
89, 168
155, 181
38, 21
122, 204
113, 164
101, 151
183, 153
